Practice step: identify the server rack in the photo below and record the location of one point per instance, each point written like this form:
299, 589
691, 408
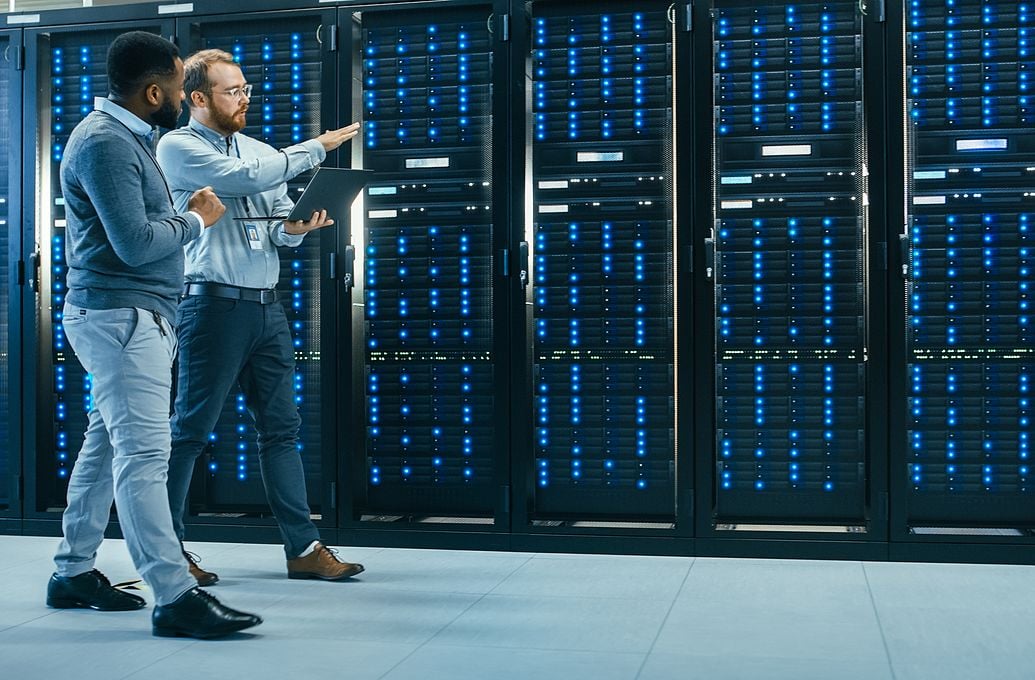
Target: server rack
290, 58
789, 256
962, 426
10, 257
66, 64
429, 447
600, 249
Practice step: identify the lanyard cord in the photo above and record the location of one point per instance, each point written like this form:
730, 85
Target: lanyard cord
230, 141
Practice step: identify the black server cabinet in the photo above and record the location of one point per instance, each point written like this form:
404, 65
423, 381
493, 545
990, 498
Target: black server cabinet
428, 408
290, 60
66, 68
789, 258
10, 256
602, 294
962, 446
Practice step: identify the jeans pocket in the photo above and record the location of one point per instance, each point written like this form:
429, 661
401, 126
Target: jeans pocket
72, 315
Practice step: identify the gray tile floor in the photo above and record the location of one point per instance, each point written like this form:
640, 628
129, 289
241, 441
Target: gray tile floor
428, 614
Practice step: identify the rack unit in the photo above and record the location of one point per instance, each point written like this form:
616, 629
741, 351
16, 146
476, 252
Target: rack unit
790, 254
428, 380
287, 58
603, 403
968, 256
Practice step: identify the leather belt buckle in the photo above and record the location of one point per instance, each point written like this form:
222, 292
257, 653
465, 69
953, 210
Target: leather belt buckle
267, 297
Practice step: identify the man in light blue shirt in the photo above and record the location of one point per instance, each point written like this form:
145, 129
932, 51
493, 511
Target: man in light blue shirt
232, 327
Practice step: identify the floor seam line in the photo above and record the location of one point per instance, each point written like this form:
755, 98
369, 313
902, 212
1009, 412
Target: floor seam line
672, 606
880, 626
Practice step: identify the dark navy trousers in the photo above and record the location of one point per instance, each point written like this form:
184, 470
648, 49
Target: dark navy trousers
223, 342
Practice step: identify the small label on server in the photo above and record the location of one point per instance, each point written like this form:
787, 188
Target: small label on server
417, 163
23, 19
176, 9
787, 150
929, 200
380, 214
553, 184
737, 205
382, 191
980, 144
600, 156
553, 208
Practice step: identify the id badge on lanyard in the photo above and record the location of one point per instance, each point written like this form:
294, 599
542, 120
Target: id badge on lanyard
251, 229
251, 232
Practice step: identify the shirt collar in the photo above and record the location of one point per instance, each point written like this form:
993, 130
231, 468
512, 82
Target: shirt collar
135, 124
208, 133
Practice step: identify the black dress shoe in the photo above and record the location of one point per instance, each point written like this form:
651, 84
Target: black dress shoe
91, 590
197, 614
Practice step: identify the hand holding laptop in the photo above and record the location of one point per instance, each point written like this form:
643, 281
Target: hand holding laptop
317, 221
330, 191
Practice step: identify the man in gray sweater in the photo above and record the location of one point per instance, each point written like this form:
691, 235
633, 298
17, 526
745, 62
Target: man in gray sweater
125, 256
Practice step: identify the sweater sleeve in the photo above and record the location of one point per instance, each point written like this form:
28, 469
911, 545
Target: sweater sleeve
111, 177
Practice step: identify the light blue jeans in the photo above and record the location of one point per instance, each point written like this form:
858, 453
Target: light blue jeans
125, 455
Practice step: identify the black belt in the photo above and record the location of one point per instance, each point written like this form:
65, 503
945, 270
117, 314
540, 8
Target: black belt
264, 296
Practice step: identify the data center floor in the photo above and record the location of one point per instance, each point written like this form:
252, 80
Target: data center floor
429, 614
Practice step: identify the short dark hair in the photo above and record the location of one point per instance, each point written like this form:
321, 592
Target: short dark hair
136, 58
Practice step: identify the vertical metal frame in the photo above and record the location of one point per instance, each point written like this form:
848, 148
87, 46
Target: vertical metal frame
12, 63
691, 190
188, 30
896, 211
43, 498
356, 523
877, 129
791, 542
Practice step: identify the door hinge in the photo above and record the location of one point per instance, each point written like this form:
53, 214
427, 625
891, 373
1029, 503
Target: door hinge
332, 266
523, 273
19, 58
349, 275
33, 273
505, 262
21, 273
688, 20
334, 495
881, 13
334, 39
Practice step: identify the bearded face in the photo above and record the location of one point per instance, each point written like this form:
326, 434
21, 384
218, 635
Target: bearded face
229, 116
226, 113
168, 115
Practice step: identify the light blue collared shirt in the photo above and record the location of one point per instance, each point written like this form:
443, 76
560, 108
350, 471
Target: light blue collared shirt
250, 177
141, 128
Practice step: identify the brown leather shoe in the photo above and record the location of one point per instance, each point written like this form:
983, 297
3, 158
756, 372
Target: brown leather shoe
204, 578
322, 563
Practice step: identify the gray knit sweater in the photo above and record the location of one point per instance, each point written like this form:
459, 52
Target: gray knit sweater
124, 240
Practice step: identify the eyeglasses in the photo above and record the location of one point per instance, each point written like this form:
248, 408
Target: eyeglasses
238, 92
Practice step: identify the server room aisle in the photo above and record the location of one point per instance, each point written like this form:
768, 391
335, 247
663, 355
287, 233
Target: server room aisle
429, 614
